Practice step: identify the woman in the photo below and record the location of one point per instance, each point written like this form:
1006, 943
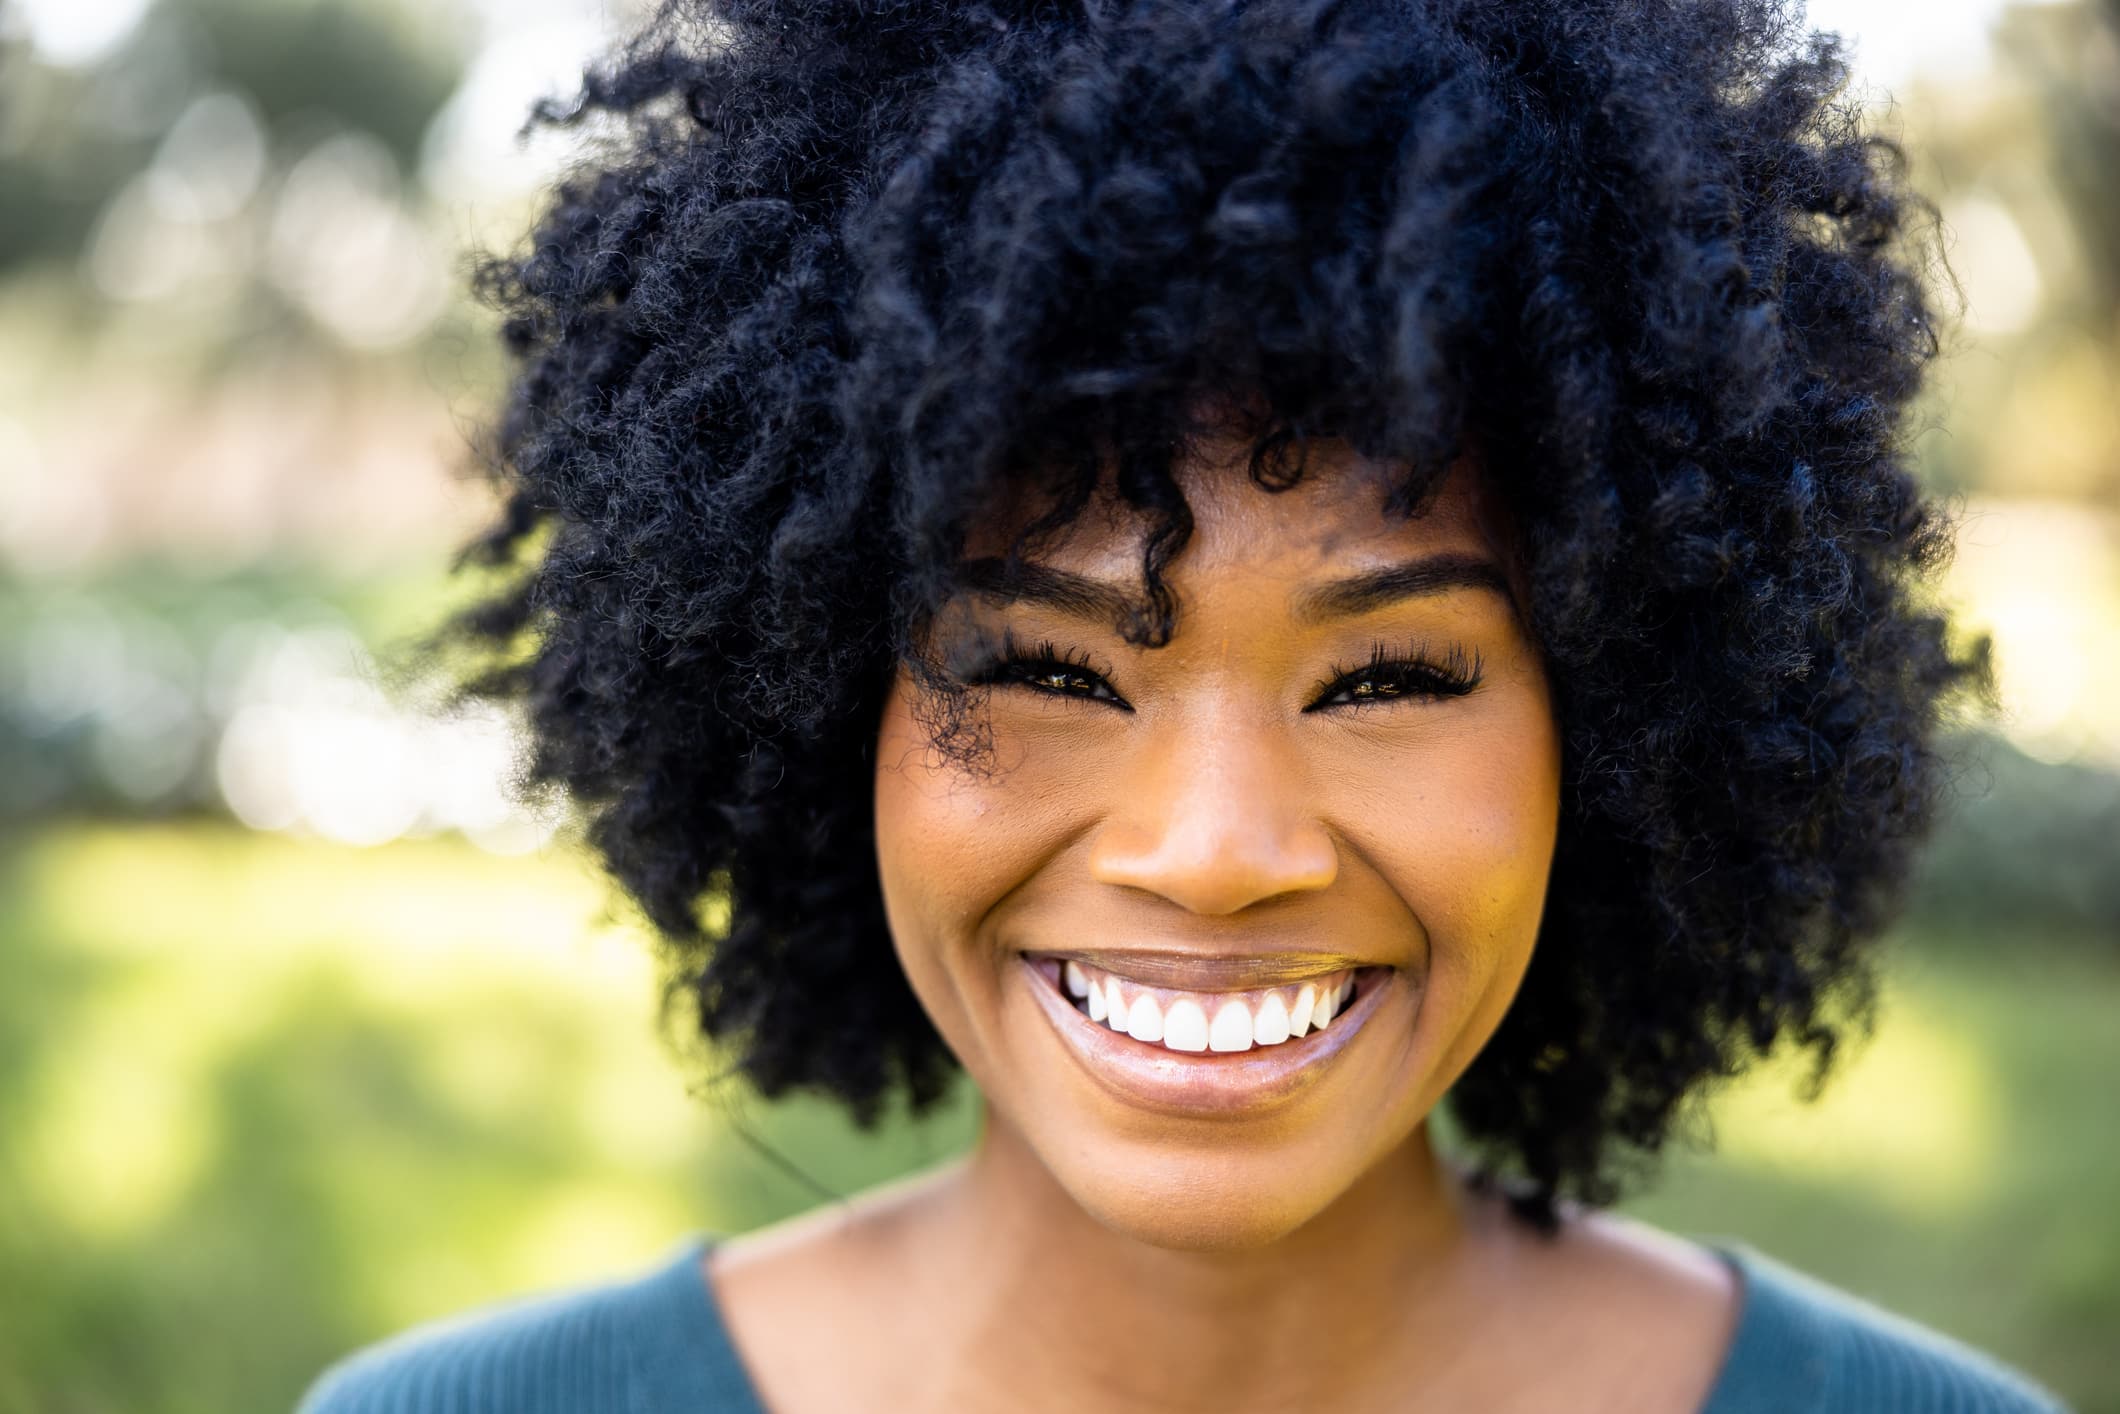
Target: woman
1234, 567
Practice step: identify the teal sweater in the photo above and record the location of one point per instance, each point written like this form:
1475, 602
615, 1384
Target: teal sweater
656, 1343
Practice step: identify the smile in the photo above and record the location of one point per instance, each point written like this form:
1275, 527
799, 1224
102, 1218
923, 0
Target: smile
1203, 1052
1206, 1021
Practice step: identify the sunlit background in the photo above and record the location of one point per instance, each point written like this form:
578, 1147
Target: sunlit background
307, 1033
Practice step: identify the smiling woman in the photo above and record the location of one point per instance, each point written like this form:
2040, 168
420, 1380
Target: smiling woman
1246, 573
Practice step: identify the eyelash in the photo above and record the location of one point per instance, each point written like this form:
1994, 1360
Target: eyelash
1393, 676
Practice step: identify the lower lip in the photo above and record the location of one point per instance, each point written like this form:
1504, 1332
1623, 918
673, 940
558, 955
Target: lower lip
1204, 1084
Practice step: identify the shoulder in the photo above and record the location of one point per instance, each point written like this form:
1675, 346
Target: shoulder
1802, 1345
649, 1341
1636, 1314
491, 1358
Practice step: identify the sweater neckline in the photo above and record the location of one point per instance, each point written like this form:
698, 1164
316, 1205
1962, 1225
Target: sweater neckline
690, 1361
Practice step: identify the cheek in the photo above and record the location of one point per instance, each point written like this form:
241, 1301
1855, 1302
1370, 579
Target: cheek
1461, 829
947, 838
1481, 827
926, 823
952, 845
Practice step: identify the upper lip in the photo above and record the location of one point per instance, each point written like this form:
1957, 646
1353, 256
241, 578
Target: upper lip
1192, 971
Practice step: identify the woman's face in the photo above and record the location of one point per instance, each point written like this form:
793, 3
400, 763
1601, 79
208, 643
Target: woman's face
1216, 836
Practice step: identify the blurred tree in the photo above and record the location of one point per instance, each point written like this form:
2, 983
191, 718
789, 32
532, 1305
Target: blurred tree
55, 170
2070, 55
69, 139
383, 69
2020, 158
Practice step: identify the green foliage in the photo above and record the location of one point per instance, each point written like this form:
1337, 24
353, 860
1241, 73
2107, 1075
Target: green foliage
266, 1100
2028, 844
1965, 1181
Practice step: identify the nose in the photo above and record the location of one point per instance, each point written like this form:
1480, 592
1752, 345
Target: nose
1214, 820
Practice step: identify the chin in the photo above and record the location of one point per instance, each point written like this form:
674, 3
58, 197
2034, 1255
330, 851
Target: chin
1202, 1207
1218, 1195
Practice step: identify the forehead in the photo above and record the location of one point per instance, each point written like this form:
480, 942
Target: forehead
1333, 519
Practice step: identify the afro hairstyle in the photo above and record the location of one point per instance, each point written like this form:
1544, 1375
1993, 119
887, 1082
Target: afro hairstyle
832, 275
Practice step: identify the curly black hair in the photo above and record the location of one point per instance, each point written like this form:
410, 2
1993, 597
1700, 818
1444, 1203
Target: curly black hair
837, 273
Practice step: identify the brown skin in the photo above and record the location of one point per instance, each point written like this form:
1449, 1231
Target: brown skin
1092, 1253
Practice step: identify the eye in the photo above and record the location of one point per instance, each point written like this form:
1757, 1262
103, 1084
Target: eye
1055, 671
1389, 677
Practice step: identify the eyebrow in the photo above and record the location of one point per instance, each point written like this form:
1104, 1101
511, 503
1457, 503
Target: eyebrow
1079, 596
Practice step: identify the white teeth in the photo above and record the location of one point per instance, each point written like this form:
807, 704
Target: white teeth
1185, 1026
1144, 1022
1205, 1021
1270, 1026
1232, 1028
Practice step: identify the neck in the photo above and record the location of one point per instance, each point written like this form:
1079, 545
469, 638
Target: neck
1313, 1319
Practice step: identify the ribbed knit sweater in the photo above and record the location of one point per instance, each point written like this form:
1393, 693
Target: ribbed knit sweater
655, 1344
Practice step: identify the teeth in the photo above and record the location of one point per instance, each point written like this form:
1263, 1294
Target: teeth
1231, 1030
1270, 1026
1185, 1026
1144, 1022
1206, 1021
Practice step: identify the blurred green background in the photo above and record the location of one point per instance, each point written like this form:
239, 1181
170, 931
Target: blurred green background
308, 1033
